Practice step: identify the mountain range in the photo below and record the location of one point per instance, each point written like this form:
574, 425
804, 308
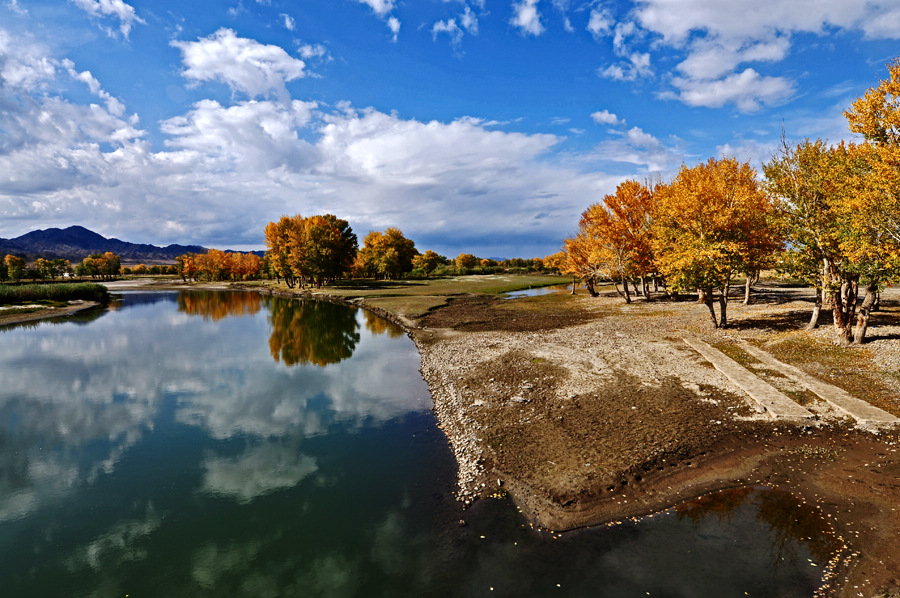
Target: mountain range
76, 243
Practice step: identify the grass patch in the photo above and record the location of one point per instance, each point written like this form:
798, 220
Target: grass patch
738, 355
818, 452
411, 307
44, 293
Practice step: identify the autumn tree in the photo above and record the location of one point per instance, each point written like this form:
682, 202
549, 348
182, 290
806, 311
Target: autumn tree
15, 267
314, 249
812, 179
614, 240
428, 261
873, 242
385, 255
466, 261
709, 223
582, 261
105, 266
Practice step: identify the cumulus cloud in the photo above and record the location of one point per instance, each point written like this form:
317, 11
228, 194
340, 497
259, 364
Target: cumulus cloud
719, 41
243, 64
111, 8
639, 148
288, 22
247, 136
747, 90
601, 22
605, 117
379, 7
527, 18
373, 168
393, 24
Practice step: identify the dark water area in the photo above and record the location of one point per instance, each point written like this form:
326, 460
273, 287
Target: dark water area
229, 444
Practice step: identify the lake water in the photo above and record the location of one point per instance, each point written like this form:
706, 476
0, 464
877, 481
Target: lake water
536, 291
228, 444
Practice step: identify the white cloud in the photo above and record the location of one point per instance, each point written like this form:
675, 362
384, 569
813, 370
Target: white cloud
469, 21
719, 38
563, 7
309, 51
111, 8
393, 24
639, 148
450, 28
14, 6
288, 22
605, 117
527, 18
254, 136
380, 7
243, 64
113, 105
637, 65
747, 90
600, 22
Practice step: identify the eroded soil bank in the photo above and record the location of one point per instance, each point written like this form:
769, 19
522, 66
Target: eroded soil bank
598, 411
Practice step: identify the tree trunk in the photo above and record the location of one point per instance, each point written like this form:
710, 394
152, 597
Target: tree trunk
723, 307
655, 284
589, 285
817, 308
843, 306
862, 322
705, 296
645, 287
573, 284
625, 286
747, 289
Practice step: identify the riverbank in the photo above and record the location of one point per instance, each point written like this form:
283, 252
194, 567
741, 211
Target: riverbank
586, 410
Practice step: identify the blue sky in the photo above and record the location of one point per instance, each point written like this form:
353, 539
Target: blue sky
484, 126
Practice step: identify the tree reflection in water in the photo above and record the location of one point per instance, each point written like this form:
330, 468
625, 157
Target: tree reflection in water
216, 305
791, 522
311, 332
378, 325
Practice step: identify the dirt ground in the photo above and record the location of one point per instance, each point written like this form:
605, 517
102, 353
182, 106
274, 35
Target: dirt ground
587, 410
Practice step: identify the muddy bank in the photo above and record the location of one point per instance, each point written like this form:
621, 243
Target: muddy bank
609, 415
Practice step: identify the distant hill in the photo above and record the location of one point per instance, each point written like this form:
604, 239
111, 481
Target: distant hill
76, 243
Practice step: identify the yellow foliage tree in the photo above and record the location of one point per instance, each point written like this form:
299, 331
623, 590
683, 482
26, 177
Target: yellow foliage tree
711, 222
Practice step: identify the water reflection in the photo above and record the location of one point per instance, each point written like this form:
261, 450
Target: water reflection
216, 305
312, 332
790, 522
